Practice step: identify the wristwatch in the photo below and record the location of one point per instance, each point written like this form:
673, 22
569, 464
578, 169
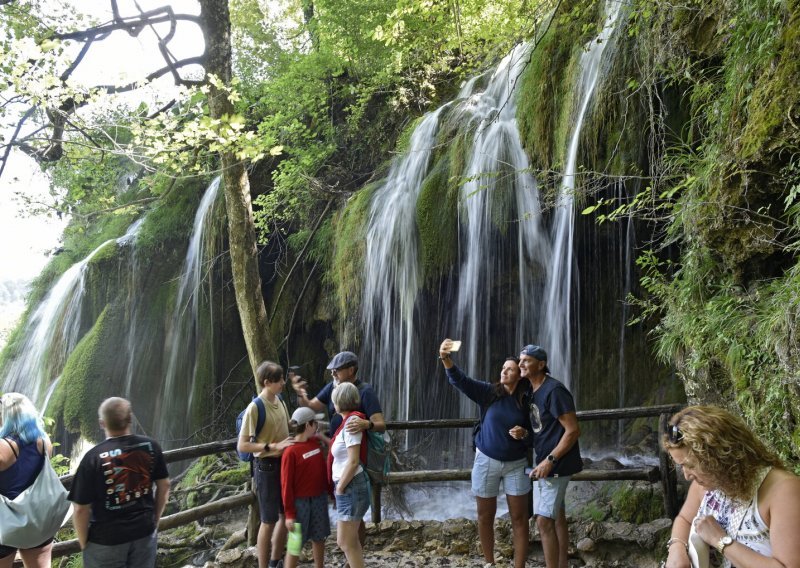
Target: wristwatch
552, 459
723, 542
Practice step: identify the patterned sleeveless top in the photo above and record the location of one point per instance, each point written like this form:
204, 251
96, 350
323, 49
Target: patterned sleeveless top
740, 519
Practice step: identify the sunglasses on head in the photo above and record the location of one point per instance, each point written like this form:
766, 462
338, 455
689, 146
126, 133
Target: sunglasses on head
674, 434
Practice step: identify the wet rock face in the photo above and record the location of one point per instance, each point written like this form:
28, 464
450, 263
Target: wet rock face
454, 543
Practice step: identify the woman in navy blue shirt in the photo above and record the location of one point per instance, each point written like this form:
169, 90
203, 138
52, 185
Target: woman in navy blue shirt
24, 446
501, 445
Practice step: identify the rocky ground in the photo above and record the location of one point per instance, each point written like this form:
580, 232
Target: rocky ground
452, 543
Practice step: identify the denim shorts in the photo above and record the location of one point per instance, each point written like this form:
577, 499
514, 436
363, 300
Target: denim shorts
353, 504
267, 473
487, 474
548, 495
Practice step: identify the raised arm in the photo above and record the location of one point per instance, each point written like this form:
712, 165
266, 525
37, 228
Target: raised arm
299, 385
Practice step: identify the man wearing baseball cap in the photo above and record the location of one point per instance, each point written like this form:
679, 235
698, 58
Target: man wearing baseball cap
344, 368
557, 453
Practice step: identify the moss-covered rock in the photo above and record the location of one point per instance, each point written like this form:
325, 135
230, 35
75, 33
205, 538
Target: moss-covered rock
349, 250
90, 376
437, 222
637, 503
546, 96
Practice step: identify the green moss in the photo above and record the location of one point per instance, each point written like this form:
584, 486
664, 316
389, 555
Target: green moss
437, 222
349, 227
234, 476
775, 97
205, 476
637, 503
89, 377
171, 221
404, 140
593, 511
545, 104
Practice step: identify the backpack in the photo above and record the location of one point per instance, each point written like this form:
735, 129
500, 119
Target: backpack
262, 417
378, 458
378, 461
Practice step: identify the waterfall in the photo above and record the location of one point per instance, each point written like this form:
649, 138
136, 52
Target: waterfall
53, 330
12, 305
401, 325
557, 335
176, 400
497, 166
392, 274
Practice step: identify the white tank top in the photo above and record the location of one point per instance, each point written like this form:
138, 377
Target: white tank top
741, 520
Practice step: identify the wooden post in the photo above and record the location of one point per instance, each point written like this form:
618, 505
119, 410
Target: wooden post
253, 518
376, 502
669, 482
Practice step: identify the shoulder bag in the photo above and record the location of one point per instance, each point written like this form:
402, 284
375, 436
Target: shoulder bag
36, 514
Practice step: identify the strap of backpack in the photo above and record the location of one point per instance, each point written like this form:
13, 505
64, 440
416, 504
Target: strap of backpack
262, 414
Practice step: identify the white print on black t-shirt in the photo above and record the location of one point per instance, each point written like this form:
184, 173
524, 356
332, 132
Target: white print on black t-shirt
127, 474
536, 419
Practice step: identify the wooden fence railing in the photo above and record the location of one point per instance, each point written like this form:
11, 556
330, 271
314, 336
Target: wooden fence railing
663, 473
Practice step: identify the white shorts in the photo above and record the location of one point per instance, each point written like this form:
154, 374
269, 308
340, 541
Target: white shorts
487, 474
548, 495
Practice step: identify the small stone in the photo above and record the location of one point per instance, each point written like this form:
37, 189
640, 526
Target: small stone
586, 545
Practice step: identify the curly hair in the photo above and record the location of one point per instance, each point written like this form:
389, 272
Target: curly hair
722, 446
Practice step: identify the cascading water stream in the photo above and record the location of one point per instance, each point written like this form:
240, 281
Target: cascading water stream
181, 353
557, 334
53, 330
497, 166
395, 321
392, 276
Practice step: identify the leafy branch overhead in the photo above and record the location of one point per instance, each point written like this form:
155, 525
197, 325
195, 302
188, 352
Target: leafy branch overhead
41, 55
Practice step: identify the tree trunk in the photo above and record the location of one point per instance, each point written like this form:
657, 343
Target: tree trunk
241, 229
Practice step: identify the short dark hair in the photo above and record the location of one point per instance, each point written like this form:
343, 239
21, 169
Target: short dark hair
268, 372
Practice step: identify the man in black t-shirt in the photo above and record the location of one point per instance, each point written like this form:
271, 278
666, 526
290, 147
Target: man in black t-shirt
119, 493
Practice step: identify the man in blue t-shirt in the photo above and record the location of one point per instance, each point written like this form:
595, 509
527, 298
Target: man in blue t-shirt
557, 453
344, 368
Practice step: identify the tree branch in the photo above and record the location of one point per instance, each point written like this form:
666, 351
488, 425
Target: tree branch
299, 258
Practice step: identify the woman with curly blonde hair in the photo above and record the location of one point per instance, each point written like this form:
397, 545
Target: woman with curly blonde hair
741, 501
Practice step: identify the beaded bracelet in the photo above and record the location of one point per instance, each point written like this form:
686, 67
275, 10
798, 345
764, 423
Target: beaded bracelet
674, 540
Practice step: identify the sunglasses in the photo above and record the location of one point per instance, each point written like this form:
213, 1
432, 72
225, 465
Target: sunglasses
674, 434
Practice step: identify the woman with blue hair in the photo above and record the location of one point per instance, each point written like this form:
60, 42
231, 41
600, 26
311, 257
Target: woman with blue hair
24, 445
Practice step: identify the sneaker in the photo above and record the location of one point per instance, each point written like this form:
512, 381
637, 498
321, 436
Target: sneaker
489, 565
